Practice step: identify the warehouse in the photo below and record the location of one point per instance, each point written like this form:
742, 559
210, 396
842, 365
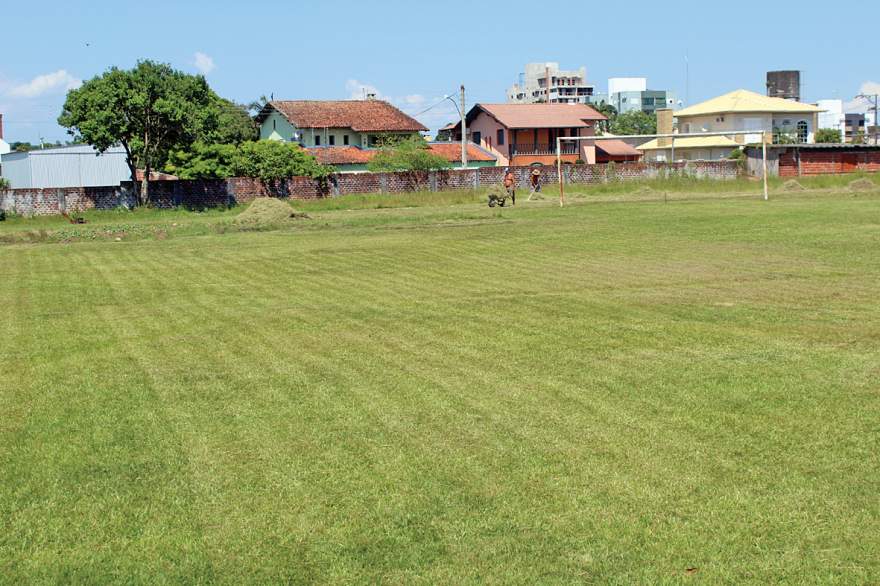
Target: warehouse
71, 166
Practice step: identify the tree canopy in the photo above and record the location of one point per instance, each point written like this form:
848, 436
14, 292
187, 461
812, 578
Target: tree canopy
151, 110
267, 160
634, 122
828, 135
410, 154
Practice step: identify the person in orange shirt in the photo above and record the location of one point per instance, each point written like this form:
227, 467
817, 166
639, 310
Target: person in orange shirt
510, 185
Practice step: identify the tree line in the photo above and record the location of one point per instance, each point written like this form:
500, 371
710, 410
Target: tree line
168, 120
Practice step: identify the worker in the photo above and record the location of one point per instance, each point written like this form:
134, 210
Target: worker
510, 185
535, 180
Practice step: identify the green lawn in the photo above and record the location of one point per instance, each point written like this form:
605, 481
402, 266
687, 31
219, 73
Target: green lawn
605, 393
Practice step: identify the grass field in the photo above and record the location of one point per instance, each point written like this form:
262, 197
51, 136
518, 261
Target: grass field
606, 393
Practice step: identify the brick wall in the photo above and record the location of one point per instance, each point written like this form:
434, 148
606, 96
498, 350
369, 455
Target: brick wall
237, 190
821, 162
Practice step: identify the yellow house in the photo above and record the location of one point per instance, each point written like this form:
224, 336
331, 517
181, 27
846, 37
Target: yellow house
737, 111
742, 110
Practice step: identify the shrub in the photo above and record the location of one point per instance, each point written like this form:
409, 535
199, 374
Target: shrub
4, 183
411, 154
268, 160
828, 135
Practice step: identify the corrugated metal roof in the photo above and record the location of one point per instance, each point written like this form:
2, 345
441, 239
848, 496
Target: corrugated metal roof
746, 101
73, 166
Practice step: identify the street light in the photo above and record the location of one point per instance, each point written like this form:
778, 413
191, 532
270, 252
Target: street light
464, 159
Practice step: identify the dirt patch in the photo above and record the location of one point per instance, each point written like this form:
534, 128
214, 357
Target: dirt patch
862, 185
644, 190
793, 185
267, 211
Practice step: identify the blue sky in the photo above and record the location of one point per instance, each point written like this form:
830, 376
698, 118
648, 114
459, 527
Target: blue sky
413, 53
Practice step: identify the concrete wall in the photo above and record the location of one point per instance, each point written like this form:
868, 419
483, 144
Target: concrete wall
238, 190
688, 154
276, 127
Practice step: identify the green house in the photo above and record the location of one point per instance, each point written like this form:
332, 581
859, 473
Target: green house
320, 123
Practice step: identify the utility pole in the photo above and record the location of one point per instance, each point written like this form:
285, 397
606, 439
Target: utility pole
876, 98
464, 157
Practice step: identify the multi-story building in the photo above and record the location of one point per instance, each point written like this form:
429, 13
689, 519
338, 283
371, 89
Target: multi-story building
854, 127
631, 93
546, 83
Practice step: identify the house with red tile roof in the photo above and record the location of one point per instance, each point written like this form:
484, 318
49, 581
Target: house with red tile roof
525, 134
349, 159
344, 123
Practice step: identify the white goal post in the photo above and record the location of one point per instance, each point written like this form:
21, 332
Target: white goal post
594, 139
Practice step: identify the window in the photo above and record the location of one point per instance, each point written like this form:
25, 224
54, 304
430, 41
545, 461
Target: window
317, 140
500, 137
802, 131
345, 139
477, 137
331, 140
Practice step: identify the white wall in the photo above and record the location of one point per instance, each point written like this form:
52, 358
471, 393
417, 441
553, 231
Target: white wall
833, 117
627, 84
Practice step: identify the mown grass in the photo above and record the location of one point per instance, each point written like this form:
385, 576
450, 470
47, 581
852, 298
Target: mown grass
618, 393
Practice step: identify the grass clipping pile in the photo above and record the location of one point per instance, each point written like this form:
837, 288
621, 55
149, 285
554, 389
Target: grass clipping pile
863, 184
266, 212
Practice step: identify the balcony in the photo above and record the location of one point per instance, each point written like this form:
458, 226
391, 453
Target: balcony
567, 148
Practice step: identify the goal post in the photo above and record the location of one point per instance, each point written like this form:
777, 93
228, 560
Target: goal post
671, 147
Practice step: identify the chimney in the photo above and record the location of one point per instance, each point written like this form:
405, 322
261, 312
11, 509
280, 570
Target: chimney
664, 125
1, 126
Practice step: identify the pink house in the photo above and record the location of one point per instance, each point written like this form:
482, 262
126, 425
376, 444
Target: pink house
525, 134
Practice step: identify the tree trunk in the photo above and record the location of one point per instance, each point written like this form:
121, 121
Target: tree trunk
145, 183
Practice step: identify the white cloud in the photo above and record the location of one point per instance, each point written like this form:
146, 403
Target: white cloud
204, 63
357, 90
868, 88
414, 99
49, 83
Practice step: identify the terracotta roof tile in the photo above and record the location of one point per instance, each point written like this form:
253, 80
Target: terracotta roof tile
359, 115
542, 115
616, 147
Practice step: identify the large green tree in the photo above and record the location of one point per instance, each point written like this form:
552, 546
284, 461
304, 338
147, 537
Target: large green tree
607, 110
150, 110
634, 122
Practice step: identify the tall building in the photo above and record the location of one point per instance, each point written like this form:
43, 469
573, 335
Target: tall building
545, 82
784, 84
631, 93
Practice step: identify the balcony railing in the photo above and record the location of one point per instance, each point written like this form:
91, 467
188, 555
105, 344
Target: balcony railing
567, 148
